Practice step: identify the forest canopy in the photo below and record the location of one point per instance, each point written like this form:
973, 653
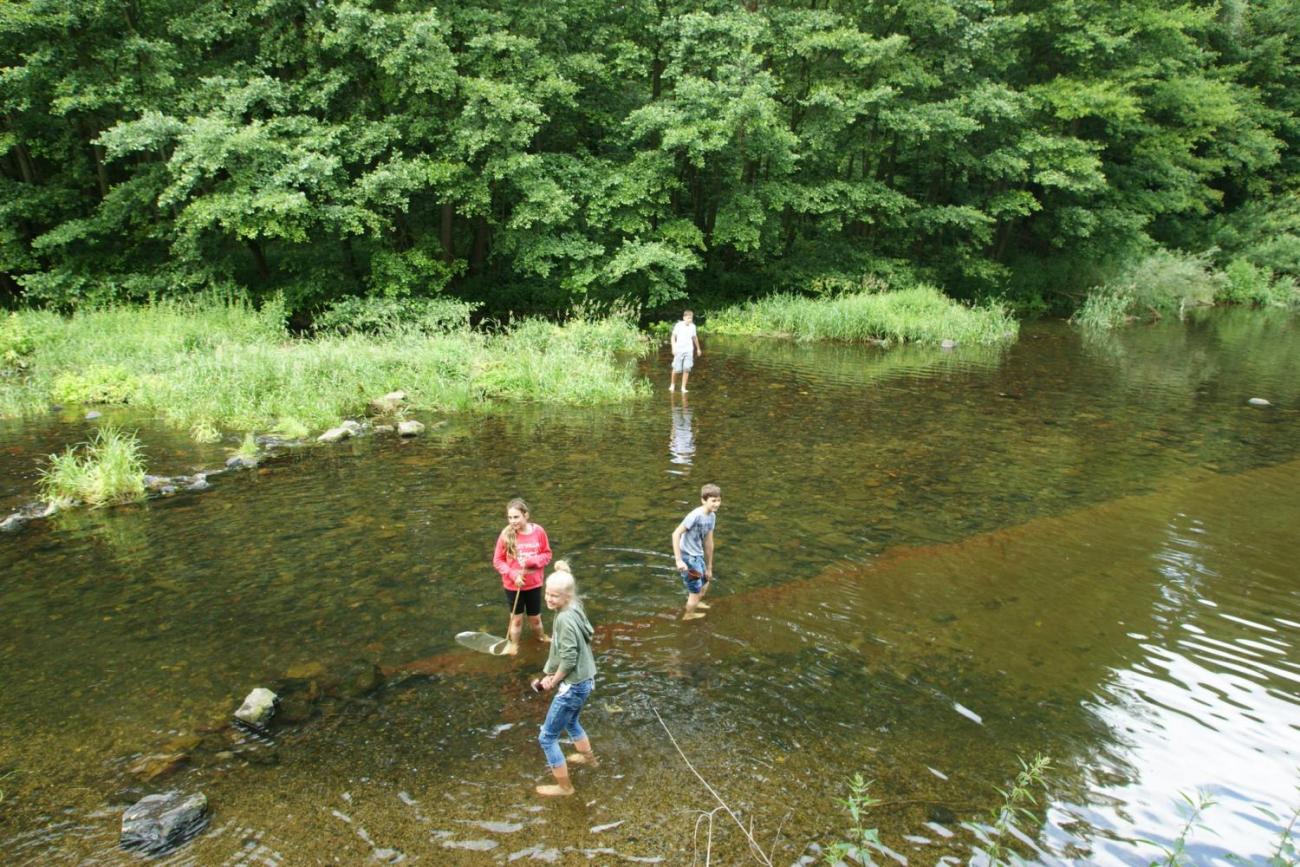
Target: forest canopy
532, 156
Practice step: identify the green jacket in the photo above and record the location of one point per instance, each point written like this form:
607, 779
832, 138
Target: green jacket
571, 646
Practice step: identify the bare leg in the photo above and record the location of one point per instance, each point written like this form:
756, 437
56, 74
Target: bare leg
692, 602
704, 591
584, 755
535, 622
686, 374
562, 785
516, 629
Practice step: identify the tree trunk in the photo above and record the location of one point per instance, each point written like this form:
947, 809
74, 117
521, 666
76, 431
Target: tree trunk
259, 258
478, 257
444, 236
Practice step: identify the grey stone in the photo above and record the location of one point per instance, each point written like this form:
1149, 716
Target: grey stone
334, 434
196, 482
158, 823
258, 707
353, 427
409, 428
948, 343
240, 462
156, 483
12, 523
388, 404
92, 415
1258, 401
383, 428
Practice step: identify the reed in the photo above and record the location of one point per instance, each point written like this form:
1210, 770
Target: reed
108, 469
217, 364
918, 314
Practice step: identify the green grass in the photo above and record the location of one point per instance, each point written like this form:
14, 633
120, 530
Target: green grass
108, 469
919, 314
214, 366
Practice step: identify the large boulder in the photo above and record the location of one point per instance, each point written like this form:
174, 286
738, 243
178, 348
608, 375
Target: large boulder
158, 823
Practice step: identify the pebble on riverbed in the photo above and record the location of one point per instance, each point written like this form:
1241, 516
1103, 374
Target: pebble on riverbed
1258, 401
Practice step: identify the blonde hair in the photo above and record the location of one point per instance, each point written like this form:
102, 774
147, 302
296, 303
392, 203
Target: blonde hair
561, 580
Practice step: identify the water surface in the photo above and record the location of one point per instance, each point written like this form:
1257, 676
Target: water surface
930, 564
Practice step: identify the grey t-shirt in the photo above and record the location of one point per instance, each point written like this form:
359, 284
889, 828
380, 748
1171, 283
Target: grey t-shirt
698, 523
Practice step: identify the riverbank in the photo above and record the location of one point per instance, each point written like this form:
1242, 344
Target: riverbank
209, 367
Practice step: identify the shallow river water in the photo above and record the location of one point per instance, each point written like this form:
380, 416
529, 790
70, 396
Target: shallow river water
930, 565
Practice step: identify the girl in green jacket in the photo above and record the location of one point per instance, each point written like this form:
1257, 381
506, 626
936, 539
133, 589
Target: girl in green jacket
572, 668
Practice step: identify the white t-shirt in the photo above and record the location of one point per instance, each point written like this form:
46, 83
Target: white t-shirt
683, 339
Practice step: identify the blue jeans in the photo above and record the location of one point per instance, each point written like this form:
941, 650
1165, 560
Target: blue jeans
564, 715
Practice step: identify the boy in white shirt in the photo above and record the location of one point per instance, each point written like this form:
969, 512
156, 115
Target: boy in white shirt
685, 347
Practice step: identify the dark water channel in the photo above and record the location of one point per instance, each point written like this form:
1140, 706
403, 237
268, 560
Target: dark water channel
929, 564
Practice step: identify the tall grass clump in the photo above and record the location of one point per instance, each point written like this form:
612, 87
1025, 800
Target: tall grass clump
919, 314
216, 365
108, 469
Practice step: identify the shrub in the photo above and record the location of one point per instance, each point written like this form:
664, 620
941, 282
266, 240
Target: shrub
97, 384
1104, 308
108, 469
1165, 281
388, 316
16, 341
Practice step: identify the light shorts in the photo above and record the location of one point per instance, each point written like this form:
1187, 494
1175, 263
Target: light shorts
683, 362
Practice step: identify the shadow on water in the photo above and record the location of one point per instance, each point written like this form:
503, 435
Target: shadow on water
928, 565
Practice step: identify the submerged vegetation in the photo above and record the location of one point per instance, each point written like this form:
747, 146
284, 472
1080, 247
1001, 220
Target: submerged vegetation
108, 469
211, 366
920, 314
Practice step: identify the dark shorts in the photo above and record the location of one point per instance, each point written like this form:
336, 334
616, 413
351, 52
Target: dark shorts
530, 601
694, 582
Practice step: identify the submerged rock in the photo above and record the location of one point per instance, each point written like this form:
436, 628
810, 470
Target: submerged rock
12, 523
241, 462
948, 343
258, 708
410, 428
196, 482
158, 823
92, 415
151, 767
1258, 401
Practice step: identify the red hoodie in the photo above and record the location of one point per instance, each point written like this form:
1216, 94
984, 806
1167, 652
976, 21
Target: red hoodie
534, 553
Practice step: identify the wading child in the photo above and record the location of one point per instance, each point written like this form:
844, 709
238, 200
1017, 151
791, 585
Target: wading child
693, 549
571, 666
521, 555
686, 346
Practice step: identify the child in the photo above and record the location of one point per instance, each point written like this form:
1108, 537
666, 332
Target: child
693, 548
521, 555
685, 347
571, 665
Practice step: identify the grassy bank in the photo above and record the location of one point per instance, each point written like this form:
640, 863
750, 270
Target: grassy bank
213, 366
108, 469
919, 314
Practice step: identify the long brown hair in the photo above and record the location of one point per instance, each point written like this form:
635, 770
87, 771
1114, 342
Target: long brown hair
509, 533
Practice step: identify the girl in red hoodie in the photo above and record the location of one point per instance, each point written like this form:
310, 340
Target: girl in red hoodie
521, 556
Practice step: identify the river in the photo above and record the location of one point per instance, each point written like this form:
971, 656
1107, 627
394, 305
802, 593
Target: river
930, 566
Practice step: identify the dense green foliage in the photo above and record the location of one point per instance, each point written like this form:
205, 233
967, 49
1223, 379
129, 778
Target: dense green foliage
206, 366
526, 156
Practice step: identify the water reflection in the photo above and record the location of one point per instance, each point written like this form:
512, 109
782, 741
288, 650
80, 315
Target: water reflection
681, 442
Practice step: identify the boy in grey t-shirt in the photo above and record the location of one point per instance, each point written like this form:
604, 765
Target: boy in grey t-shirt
693, 549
